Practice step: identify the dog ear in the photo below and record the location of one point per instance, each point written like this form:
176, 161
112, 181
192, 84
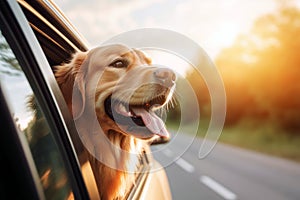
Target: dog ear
71, 79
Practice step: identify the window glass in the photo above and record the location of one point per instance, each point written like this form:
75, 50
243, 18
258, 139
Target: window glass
31, 122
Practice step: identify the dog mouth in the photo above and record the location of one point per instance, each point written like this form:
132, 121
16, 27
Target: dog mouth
139, 120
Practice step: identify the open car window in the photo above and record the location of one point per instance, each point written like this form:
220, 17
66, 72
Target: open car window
40, 40
59, 41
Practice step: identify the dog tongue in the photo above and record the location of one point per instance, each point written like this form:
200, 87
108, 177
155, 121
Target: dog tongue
152, 122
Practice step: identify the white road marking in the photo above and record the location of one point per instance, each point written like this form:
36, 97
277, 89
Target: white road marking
218, 188
168, 152
185, 165
180, 162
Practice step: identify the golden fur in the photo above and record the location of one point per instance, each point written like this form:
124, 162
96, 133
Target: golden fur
88, 81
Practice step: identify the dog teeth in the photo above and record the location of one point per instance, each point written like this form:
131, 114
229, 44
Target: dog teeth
121, 109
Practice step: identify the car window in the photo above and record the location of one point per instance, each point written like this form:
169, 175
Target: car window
31, 124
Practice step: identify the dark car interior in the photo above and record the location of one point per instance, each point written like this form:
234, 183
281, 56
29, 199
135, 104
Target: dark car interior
57, 40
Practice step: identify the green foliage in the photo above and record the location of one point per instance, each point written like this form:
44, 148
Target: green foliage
8, 63
261, 71
260, 137
201, 91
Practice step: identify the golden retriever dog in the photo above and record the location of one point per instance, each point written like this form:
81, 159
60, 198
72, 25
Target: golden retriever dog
122, 90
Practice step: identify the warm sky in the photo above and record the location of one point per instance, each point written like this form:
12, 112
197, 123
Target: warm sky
213, 24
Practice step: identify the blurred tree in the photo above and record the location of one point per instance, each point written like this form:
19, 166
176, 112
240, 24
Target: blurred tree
8, 63
200, 88
262, 68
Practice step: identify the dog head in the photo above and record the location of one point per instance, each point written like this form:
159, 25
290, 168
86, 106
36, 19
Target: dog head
122, 87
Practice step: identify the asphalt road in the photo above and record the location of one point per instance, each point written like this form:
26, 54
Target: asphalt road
226, 173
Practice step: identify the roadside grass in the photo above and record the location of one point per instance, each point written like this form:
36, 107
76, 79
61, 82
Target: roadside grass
261, 137
264, 138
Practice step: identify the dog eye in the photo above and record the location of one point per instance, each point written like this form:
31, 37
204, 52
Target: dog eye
119, 64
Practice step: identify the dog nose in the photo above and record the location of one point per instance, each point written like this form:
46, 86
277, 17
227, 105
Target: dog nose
166, 76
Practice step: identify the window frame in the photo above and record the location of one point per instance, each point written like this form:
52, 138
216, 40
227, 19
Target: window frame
31, 57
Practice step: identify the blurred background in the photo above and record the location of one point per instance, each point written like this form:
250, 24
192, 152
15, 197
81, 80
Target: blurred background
255, 45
